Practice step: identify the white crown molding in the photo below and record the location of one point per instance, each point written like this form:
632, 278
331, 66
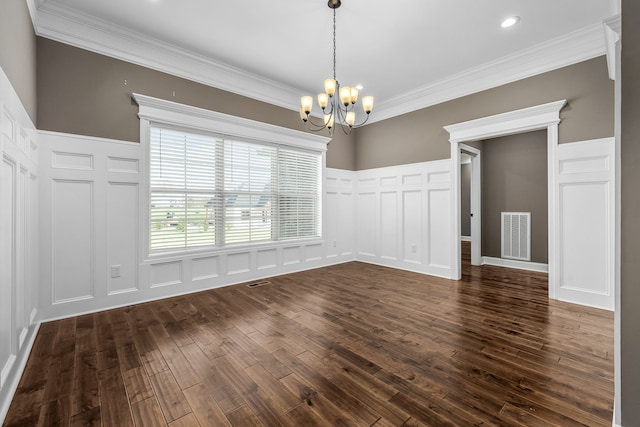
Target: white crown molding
33, 11
71, 27
616, 7
612, 28
578, 46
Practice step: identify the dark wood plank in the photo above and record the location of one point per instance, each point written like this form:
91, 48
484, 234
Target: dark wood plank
147, 413
351, 344
114, 406
204, 407
138, 386
172, 401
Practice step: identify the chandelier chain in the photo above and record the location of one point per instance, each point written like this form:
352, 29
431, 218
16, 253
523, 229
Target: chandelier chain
334, 44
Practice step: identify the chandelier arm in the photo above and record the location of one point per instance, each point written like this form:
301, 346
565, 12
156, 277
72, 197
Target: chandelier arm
346, 129
366, 119
311, 125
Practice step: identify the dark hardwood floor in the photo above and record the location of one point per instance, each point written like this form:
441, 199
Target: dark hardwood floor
352, 344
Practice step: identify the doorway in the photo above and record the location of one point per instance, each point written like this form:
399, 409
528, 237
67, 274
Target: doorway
471, 219
545, 116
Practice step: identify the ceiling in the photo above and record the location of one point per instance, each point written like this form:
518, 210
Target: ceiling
407, 53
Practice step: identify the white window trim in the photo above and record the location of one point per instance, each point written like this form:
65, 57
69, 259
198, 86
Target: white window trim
161, 112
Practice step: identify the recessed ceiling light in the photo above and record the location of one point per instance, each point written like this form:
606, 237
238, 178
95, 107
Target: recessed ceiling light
510, 21
359, 87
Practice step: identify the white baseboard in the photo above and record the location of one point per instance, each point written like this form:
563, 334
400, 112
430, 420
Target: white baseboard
9, 388
512, 263
465, 238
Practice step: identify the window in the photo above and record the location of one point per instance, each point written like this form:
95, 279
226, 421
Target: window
208, 190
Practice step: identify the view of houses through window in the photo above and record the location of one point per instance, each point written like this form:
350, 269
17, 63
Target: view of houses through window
208, 190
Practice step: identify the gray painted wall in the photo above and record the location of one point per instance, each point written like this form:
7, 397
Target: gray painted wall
514, 179
630, 226
419, 136
465, 199
18, 51
85, 93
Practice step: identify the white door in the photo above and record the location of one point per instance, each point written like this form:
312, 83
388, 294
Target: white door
584, 240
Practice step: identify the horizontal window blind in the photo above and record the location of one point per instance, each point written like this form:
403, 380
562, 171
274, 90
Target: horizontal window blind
213, 191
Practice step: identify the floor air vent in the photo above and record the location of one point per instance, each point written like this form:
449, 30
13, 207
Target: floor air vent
256, 284
516, 235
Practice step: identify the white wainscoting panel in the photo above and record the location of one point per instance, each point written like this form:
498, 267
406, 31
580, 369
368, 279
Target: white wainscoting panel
585, 242
267, 258
19, 271
412, 212
91, 244
122, 236
72, 240
238, 263
389, 222
367, 214
291, 255
165, 274
89, 221
205, 268
8, 253
403, 217
339, 221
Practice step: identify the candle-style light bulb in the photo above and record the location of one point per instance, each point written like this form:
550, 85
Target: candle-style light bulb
350, 118
367, 104
330, 86
307, 103
345, 95
323, 100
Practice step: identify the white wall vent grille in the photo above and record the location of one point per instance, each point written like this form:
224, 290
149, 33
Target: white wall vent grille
516, 235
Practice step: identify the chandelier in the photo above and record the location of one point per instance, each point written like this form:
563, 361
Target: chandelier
337, 110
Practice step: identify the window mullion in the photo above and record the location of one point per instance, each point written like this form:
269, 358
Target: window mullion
219, 193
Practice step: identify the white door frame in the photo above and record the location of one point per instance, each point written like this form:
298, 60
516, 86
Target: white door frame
476, 203
545, 116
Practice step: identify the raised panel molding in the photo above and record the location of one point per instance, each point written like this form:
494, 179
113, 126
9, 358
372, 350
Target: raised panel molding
72, 248
78, 161
389, 224
585, 240
379, 216
19, 241
238, 263
584, 165
584, 222
439, 226
367, 229
8, 127
401, 225
412, 208
291, 255
124, 165
313, 252
8, 270
122, 237
267, 258
205, 268
165, 274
